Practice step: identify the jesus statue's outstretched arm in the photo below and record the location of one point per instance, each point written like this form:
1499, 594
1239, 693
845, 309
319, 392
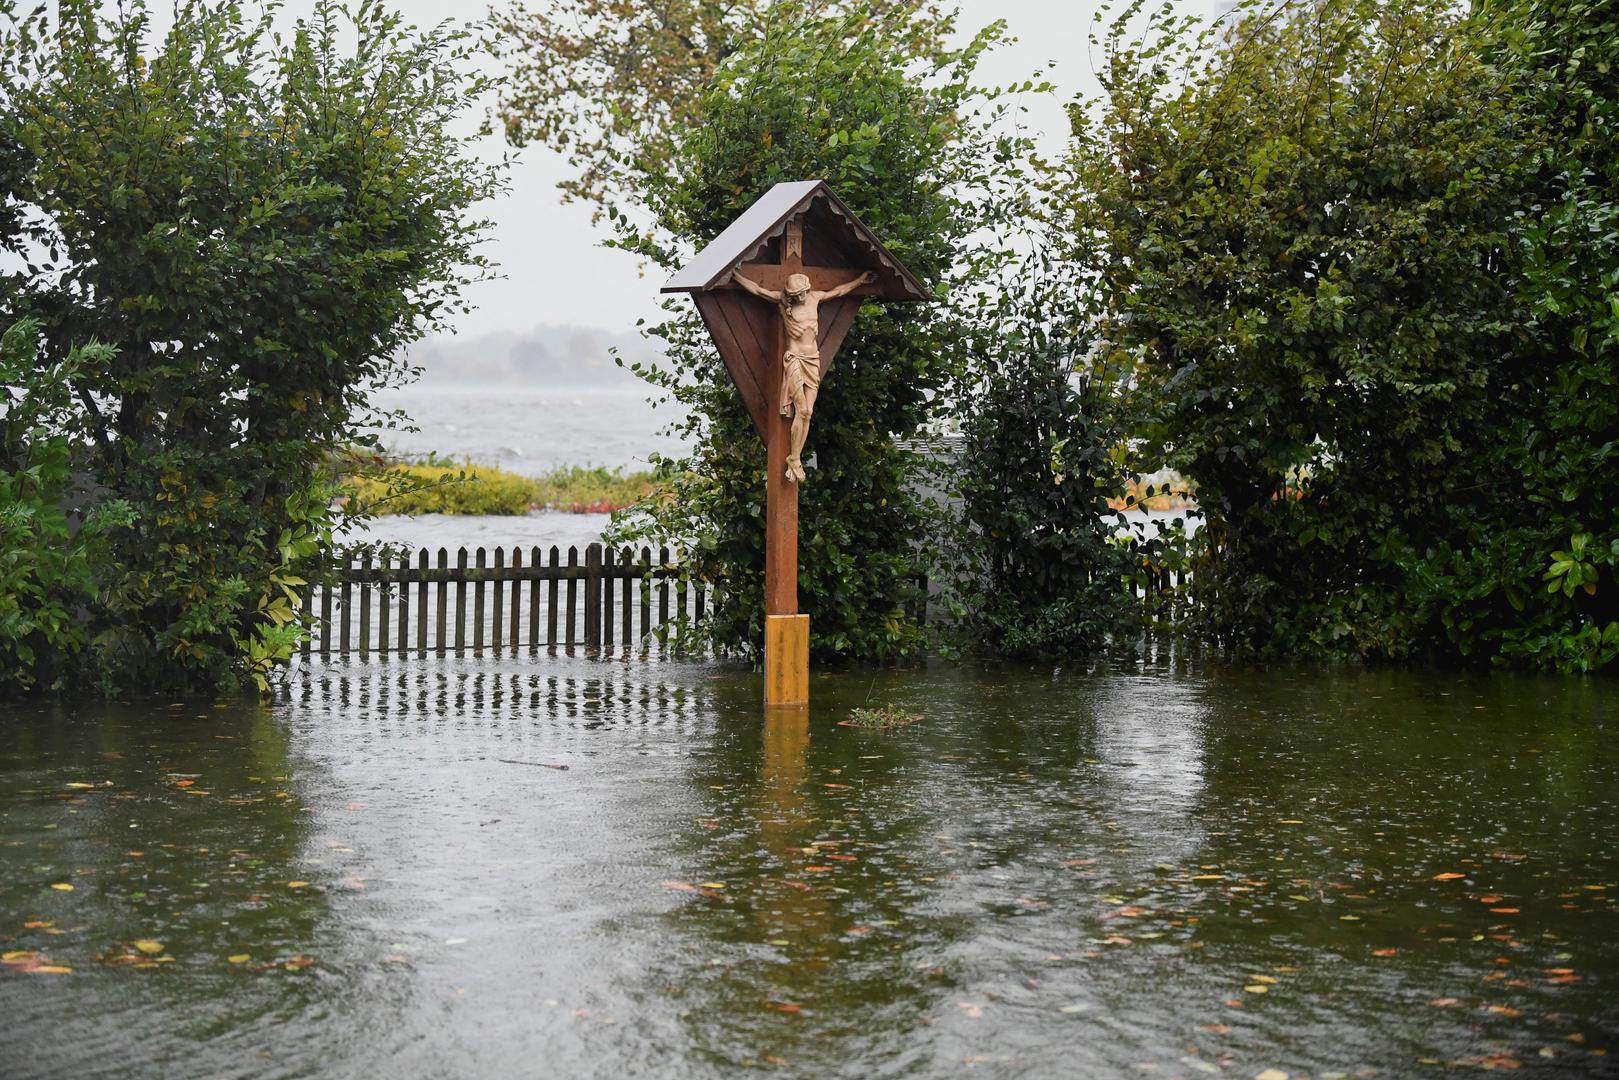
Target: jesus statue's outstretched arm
757, 289
847, 287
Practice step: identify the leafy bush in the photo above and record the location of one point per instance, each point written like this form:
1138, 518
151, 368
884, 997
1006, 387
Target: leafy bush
47, 560
253, 227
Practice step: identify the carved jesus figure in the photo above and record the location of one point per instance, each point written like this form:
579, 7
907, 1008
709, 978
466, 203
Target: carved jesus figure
800, 308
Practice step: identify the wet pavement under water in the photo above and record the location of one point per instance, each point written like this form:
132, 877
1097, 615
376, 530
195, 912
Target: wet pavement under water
1143, 869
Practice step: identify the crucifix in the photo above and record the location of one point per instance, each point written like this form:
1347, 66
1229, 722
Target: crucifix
778, 290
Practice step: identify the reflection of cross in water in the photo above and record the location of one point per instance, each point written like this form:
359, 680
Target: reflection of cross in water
797, 292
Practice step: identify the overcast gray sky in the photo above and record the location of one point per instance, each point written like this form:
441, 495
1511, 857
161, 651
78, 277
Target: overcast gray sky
557, 272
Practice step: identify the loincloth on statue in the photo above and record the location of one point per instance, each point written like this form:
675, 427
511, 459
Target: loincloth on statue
801, 373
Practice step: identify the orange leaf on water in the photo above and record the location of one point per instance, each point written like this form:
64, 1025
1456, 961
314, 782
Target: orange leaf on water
1504, 910
1449, 875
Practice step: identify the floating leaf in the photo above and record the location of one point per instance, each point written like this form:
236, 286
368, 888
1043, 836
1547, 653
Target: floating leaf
297, 884
149, 947
1256, 988
1449, 875
62, 886
239, 958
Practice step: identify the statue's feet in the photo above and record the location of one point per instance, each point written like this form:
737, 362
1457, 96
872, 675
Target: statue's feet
792, 473
798, 469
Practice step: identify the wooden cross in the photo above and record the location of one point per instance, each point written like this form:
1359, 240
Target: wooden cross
750, 337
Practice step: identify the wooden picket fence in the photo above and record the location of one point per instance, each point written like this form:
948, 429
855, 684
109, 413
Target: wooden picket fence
602, 598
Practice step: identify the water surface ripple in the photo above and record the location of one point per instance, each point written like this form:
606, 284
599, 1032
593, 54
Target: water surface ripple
1142, 869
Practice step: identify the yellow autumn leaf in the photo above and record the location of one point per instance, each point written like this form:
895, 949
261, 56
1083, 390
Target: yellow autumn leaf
148, 946
1257, 988
62, 886
297, 884
239, 958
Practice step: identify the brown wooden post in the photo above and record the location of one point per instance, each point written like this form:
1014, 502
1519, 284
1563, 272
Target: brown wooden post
786, 629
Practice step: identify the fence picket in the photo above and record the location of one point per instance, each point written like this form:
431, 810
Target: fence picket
461, 602
573, 593
533, 601
593, 597
607, 598
384, 604
365, 607
497, 617
551, 598
646, 594
626, 559
443, 599
477, 606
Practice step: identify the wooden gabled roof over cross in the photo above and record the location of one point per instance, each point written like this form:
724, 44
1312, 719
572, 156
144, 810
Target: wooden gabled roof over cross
794, 228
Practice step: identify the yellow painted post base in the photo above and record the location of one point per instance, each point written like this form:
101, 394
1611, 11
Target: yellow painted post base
786, 659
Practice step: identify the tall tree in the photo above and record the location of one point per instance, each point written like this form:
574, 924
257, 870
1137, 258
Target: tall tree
882, 108
613, 83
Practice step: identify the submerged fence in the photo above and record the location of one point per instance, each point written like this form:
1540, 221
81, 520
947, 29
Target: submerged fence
601, 598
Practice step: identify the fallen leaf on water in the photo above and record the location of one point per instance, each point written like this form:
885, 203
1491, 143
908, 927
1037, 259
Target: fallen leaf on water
298, 962
1267, 979
1290, 821
62, 886
1449, 875
844, 858
184, 783
297, 884
45, 924
1271, 1074
712, 885
81, 787
778, 941
678, 886
784, 1006
1072, 1009
1504, 1010
51, 969
1256, 988
1079, 862
1444, 1002
1349, 918
239, 958
1491, 899
148, 946
1209, 877
1504, 910
1384, 952
817, 869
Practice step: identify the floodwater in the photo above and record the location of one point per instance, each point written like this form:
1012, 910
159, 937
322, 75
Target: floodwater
1146, 869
